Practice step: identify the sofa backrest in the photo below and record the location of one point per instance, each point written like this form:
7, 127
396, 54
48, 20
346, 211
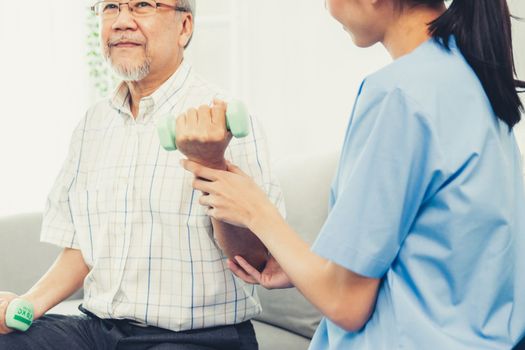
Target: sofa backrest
305, 181
23, 259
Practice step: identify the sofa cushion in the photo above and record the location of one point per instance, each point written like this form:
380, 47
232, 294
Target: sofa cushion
68, 307
274, 338
22, 252
305, 181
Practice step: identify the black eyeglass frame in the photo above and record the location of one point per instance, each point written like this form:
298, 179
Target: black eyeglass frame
157, 5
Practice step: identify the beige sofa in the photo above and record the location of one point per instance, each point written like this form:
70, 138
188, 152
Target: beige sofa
287, 322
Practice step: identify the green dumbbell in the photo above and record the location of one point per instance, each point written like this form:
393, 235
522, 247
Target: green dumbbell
19, 315
237, 122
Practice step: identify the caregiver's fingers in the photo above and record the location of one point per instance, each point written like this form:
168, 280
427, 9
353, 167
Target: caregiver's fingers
242, 274
250, 270
235, 169
200, 170
204, 186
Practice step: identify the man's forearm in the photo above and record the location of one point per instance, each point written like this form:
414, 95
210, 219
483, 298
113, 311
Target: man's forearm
234, 240
62, 279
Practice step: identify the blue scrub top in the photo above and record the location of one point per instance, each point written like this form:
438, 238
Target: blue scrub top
429, 196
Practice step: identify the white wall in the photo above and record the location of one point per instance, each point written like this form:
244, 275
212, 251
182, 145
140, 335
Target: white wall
43, 94
45, 88
301, 73
294, 66
297, 69
289, 60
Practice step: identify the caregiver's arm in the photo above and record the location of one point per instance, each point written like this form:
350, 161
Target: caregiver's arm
343, 296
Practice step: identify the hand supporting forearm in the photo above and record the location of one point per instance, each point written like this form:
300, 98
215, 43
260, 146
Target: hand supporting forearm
62, 279
343, 296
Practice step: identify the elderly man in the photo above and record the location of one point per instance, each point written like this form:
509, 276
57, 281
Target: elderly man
123, 209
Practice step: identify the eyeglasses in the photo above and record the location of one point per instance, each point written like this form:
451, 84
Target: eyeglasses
139, 8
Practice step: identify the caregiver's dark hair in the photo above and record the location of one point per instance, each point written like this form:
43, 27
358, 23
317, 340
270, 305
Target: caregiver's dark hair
483, 34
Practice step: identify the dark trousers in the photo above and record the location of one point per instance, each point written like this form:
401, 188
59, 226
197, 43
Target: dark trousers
88, 332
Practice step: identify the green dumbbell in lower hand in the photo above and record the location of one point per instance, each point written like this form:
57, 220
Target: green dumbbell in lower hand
19, 315
237, 122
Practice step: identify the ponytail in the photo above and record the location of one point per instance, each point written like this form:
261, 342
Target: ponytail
483, 34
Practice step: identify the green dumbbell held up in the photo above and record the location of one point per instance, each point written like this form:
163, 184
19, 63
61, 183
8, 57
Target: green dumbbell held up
237, 122
19, 315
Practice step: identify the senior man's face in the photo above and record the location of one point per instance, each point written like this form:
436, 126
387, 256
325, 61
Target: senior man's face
138, 47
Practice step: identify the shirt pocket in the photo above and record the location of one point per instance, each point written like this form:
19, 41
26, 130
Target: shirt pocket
99, 217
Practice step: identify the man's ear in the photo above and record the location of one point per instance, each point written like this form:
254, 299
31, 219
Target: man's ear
186, 31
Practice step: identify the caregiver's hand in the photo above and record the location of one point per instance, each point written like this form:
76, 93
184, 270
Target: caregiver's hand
271, 277
231, 196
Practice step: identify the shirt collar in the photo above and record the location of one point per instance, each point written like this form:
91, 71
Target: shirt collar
119, 99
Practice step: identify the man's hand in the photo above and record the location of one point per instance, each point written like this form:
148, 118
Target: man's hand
202, 135
272, 277
5, 299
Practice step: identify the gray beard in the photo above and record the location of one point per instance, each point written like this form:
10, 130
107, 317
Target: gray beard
127, 73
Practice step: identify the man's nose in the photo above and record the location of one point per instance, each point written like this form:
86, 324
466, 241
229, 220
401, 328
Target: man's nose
124, 19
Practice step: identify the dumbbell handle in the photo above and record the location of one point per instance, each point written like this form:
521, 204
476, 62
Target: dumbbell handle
237, 122
19, 315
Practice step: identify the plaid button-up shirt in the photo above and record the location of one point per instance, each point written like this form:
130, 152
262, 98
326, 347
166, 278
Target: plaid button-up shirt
128, 205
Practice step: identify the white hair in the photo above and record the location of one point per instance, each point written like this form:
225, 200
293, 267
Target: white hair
191, 6
188, 4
